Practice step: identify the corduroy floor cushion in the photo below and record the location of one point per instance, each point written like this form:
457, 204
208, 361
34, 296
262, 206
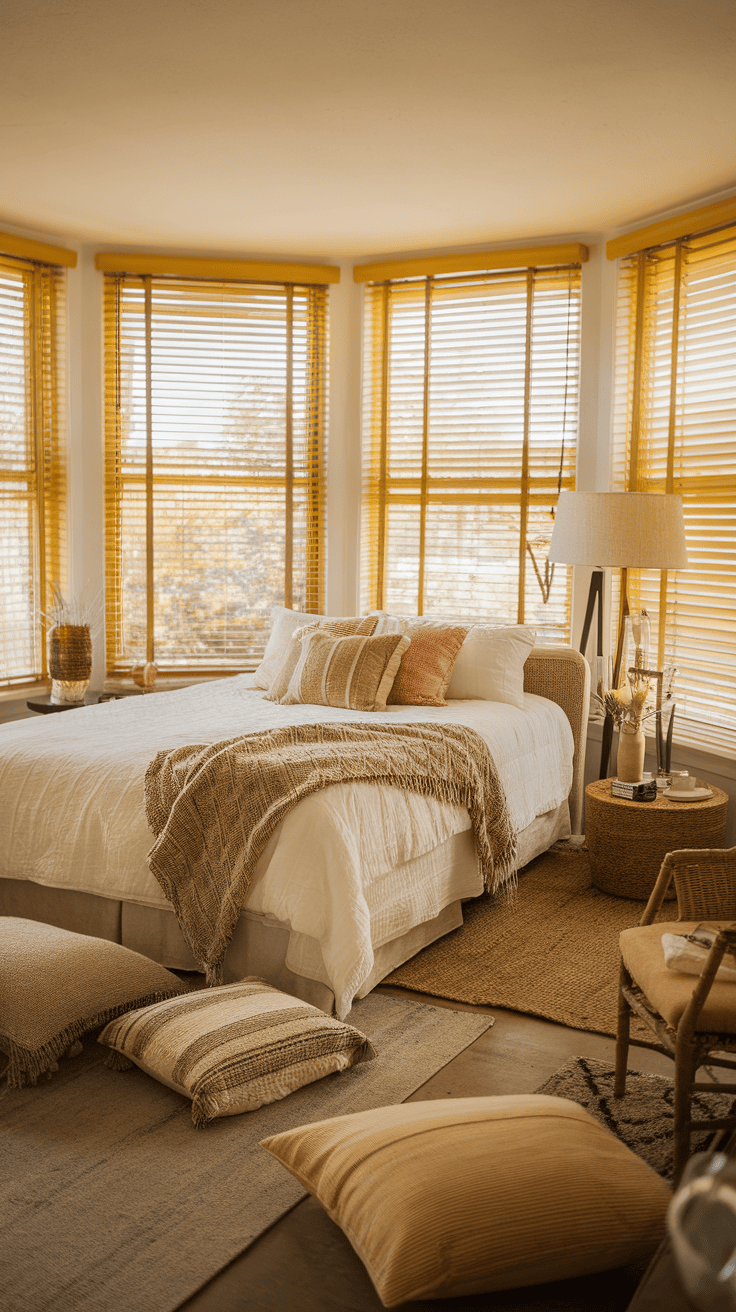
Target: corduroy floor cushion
55, 986
234, 1048
469, 1195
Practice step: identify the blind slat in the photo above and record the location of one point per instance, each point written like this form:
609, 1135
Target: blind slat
444, 524
686, 443
32, 462
225, 542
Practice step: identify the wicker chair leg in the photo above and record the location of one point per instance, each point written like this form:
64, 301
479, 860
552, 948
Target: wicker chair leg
685, 1067
622, 1042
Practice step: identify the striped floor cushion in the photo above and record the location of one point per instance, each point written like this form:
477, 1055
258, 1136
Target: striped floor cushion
234, 1048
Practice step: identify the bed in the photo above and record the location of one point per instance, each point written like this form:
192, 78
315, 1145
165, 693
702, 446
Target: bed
358, 877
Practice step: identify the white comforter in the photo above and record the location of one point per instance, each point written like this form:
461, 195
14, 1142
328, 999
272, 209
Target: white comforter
72, 815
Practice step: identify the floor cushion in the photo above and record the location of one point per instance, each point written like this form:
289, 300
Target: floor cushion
236, 1047
56, 986
468, 1195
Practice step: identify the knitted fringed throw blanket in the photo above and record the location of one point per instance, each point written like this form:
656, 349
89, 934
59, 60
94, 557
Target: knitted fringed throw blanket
213, 808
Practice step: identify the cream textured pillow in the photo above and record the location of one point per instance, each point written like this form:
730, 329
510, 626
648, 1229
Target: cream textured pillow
279, 685
468, 1195
425, 669
490, 664
356, 673
55, 986
284, 623
232, 1049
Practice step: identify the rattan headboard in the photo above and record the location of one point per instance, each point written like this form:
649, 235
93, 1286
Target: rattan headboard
563, 675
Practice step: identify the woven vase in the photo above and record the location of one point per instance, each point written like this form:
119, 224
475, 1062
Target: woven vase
630, 758
70, 662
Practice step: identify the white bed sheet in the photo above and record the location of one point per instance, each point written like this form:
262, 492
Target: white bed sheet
72, 812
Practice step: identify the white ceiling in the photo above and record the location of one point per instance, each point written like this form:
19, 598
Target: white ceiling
327, 128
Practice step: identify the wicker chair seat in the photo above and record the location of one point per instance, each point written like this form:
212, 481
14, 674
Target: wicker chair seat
692, 1016
669, 991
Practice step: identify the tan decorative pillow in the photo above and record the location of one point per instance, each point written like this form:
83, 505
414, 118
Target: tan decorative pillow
279, 685
461, 1196
426, 668
55, 986
234, 1048
356, 673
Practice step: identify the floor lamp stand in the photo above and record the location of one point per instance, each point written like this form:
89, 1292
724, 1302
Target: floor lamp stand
595, 594
607, 736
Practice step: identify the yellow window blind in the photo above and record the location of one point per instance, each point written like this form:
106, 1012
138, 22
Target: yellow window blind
214, 466
32, 462
675, 431
469, 432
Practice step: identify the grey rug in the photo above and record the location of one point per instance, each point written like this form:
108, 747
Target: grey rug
111, 1200
643, 1119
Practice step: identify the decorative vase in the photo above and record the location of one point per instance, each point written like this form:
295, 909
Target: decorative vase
70, 663
145, 676
636, 640
630, 758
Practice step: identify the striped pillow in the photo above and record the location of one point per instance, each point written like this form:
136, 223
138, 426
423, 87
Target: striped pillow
234, 1048
464, 1196
279, 685
356, 673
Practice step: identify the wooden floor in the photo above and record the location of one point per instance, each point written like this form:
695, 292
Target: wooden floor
304, 1261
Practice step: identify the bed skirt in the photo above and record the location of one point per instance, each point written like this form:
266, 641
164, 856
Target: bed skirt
262, 945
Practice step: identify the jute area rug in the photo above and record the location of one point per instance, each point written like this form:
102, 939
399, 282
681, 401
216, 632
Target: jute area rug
643, 1119
111, 1200
550, 951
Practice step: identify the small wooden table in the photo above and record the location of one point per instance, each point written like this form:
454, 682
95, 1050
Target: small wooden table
628, 841
43, 704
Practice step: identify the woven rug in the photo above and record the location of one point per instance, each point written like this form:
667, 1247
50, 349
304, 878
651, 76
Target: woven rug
112, 1200
643, 1119
550, 951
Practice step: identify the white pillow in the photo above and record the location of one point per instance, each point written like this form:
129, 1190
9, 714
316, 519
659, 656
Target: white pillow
490, 664
284, 624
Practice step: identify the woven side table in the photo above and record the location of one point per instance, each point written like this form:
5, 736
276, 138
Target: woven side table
628, 841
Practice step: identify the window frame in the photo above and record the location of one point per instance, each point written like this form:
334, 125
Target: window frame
42, 480
658, 426
312, 294
380, 492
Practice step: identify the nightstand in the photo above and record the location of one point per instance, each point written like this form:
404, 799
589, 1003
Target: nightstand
43, 705
628, 841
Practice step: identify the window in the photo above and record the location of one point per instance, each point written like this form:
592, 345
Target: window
675, 431
470, 423
32, 460
215, 394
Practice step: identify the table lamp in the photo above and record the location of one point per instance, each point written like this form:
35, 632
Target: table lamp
623, 530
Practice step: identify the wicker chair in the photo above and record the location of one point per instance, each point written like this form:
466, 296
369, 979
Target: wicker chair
692, 1016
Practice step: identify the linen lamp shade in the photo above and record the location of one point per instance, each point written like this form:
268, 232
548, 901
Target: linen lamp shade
628, 530
631, 530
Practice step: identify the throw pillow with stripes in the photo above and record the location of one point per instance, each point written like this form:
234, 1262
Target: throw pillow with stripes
279, 685
234, 1048
356, 673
